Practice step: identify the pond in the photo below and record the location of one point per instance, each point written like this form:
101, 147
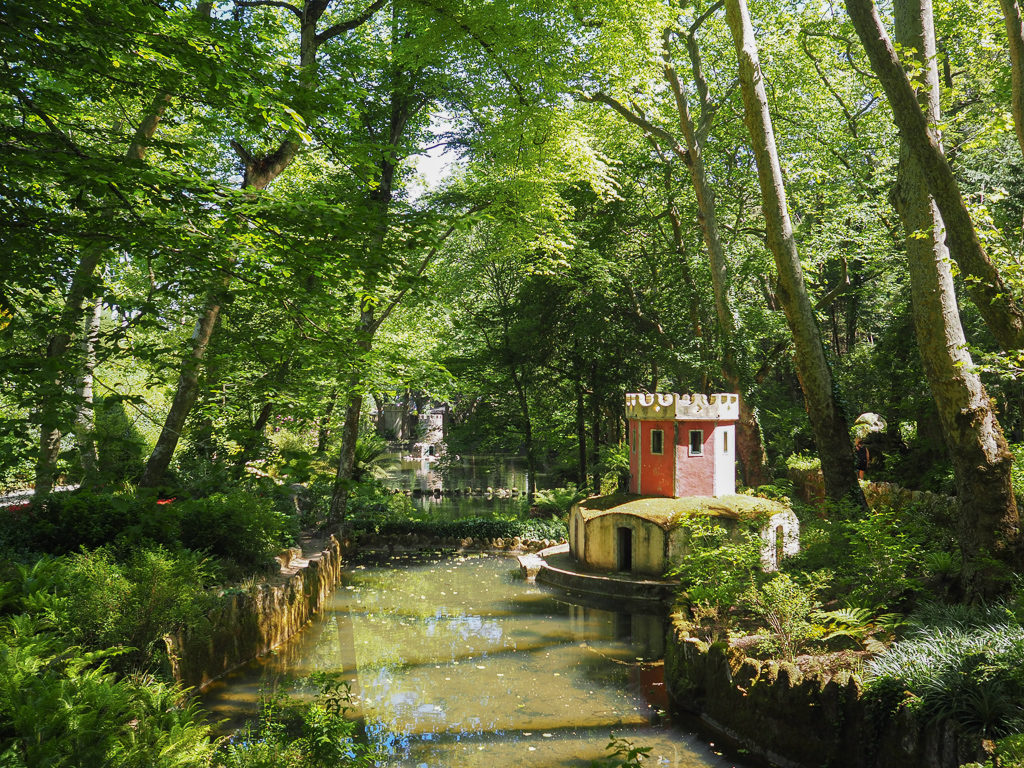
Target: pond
451, 473
459, 662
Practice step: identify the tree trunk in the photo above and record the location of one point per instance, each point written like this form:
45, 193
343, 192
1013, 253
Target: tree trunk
531, 458
347, 459
83, 285
185, 396
85, 418
403, 106
749, 446
706, 213
581, 440
748, 432
988, 520
260, 172
252, 441
1015, 36
828, 423
596, 441
1001, 311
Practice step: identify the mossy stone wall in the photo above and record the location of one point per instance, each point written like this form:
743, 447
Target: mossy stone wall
790, 719
246, 625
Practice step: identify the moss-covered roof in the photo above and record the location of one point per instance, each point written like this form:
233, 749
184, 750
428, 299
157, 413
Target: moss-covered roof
667, 512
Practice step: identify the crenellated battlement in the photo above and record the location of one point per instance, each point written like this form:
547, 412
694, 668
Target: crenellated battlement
646, 406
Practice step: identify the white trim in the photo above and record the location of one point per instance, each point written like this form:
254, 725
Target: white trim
689, 438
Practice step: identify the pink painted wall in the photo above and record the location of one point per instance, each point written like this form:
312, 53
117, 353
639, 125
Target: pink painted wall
657, 472
695, 475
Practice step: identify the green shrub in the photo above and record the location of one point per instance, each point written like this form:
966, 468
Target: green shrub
291, 734
372, 501
885, 558
860, 626
1017, 472
557, 501
787, 607
880, 558
295, 458
613, 465
622, 753
1009, 752
237, 525
64, 522
717, 569
780, 490
961, 664
373, 459
101, 602
475, 528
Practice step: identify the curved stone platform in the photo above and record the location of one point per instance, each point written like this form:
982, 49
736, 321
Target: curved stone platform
555, 567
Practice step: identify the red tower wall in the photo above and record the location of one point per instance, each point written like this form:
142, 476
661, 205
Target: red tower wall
694, 475
634, 456
657, 472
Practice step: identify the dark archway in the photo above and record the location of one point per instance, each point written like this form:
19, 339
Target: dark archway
625, 550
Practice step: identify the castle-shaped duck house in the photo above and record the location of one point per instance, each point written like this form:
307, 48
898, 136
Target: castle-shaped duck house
682, 445
682, 464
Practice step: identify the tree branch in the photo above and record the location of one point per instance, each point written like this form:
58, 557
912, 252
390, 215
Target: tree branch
422, 268
641, 122
704, 16
273, 3
346, 26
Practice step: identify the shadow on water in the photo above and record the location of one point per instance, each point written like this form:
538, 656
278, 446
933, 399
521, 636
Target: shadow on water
455, 660
455, 663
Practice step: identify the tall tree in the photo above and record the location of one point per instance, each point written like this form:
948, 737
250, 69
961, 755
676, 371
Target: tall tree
84, 281
988, 521
831, 431
997, 303
260, 170
1015, 37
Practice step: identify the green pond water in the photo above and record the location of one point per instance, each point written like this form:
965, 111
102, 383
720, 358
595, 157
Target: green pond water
459, 662
451, 474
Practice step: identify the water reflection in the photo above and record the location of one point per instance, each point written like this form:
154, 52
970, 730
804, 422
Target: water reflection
460, 663
450, 474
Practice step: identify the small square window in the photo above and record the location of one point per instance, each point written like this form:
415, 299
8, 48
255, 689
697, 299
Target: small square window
657, 441
696, 442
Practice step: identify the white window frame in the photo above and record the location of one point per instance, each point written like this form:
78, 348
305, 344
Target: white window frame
700, 450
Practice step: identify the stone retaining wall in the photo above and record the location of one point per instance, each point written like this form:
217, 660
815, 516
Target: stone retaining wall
771, 709
809, 486
897, 496
248, 624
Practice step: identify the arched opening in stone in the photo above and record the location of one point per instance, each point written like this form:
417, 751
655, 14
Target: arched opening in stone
624, 557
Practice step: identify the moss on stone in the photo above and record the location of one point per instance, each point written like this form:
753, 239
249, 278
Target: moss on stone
670, 512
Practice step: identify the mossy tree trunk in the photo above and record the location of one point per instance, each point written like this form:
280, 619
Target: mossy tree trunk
831, 431
988, 520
